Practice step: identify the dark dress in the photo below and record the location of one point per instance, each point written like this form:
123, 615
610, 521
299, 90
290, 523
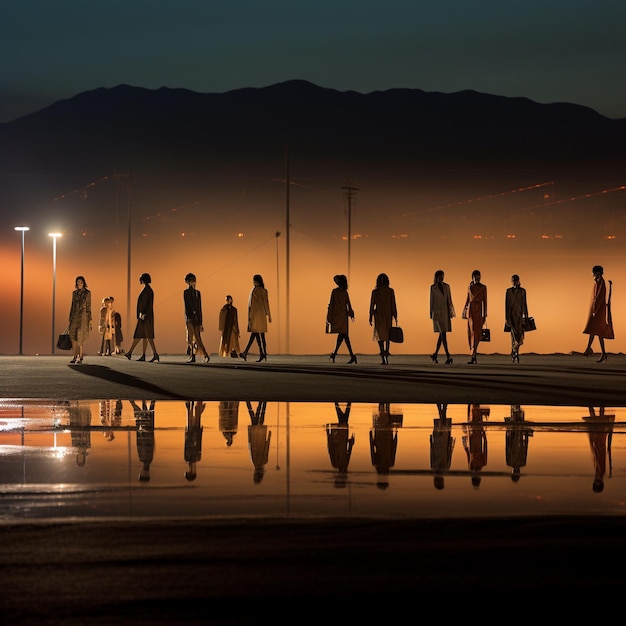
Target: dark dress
598, 322
145, 326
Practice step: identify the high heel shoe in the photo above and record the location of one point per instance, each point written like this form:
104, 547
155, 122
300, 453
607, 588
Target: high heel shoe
73, 360
352, 359
588, 352
244, 355
142, 357
449, 361
332, 356
263, 357
602, 358
155, 357
472, 361
434, 358
129, 355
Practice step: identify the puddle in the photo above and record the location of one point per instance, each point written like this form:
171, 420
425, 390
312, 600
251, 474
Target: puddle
173, 459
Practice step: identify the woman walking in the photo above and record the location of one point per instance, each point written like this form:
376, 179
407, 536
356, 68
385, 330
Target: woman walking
229, 329
599, 323
515, 310
382, 313
144, 330
441, 313
192, 299
80, 318
339, 310
258, 317
475, 311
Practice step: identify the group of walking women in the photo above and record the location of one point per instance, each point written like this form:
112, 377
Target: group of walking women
382, 315
383, 312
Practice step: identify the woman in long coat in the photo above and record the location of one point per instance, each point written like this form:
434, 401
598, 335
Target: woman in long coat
144, 330
79, 318
258, 317
339, 310
229, 328
599, 323
382, 313
441, 313
515, 310
475, 311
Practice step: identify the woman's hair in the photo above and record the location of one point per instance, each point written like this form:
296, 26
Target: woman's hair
190, 277
438, 273
597, 269
341, 280
145, 279
257, 278
475, 273
382, 279
229, 298
80, 278
515, 278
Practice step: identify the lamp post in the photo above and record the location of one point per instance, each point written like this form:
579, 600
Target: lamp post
22, 229
54, 236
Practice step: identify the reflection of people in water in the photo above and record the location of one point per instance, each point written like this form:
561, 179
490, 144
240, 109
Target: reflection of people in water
441, 446
516, 441
340, 443
144, 421
193, 437
229, 419
384, 442
600, 429
110, 417
475, 441
80, 429
258, 440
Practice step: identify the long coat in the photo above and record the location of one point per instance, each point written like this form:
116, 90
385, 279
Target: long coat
192, 299
145, 304
258, 310
383, 310
441, 308
339, 310
475, 311
229, 327
515, 307
598, 323
80, 315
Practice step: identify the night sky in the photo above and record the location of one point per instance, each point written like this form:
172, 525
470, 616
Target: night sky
546, 50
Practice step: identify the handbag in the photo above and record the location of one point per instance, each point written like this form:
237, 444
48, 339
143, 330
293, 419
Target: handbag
64, 342
485, 334
396, 334
328, 331
528, 324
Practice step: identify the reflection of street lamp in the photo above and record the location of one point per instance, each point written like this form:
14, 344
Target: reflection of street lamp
23, 229
54, 236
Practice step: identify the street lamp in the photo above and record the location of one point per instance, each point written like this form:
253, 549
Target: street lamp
22, 229
54, 236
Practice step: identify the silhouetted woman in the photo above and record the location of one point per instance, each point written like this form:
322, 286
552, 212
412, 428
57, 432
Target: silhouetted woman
258, 317
382, 313
339, 310
475, 311
441, 313
80, 318
515, 310
228, 324
599, 323
144, 330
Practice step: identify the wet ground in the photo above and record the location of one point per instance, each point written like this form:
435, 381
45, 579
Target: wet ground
62, 565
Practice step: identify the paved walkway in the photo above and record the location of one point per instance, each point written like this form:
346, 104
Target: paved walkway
569, 380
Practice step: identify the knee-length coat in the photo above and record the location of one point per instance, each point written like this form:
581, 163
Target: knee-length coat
339, 310
598, 322
80, 315
383, 310
441, 308
258, 310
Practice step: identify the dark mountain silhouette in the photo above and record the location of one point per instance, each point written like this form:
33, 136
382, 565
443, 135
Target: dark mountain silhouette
130, 128
179, 145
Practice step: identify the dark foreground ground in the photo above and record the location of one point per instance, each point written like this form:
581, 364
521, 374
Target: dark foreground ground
279, 572
275, 571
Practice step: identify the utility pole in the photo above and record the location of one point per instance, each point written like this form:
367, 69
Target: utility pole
349, 194
287, 260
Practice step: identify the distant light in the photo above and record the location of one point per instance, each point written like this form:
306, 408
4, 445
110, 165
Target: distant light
511, 236
22, 228
478, 236
55, 235
611, 237
240, 235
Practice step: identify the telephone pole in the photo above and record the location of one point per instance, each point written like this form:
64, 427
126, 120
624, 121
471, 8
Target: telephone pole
349, 195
